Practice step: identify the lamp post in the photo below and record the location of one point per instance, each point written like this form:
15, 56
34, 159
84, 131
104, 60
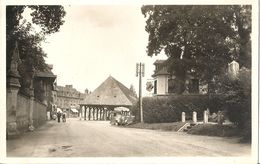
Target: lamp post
140, 73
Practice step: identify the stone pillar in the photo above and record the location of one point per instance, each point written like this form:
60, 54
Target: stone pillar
233, 70
194, 117
31, 127
205, 116
183, 117
220, 118
13, 86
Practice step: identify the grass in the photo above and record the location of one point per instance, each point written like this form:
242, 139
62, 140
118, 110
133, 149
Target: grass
200, 129
215, 130
174, 126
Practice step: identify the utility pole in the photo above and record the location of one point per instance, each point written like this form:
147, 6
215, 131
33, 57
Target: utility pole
140, 73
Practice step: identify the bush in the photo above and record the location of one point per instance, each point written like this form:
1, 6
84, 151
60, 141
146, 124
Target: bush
235, 98
163, 109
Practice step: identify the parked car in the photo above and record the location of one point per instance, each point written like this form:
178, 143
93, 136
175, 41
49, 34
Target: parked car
119, 119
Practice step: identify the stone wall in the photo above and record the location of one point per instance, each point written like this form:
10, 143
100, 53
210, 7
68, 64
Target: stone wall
39, 113
21, 116
22, 112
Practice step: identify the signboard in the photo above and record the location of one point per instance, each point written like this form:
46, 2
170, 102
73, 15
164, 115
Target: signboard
149, 86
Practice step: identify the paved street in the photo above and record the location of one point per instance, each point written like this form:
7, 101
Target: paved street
77, 138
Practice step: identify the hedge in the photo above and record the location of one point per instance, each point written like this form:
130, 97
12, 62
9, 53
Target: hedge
163, 109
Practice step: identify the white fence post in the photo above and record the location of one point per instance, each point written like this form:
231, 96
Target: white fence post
183, 117
194, 117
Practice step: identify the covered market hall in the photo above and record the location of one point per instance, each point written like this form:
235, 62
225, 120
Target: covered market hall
108, 97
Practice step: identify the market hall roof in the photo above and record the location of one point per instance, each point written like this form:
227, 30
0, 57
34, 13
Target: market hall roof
111, 93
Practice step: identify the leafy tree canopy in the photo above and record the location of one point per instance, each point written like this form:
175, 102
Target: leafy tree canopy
202, 38
49, 19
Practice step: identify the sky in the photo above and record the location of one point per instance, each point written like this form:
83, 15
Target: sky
98, 41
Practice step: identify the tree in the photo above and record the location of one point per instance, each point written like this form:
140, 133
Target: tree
205, 39
132, 89
49, 18
200, 38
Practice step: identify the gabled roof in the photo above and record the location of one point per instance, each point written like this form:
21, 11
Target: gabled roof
111, 93
45, 74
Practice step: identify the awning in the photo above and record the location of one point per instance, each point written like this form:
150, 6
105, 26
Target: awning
121, 109
74, 110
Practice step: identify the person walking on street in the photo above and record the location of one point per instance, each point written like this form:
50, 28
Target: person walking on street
59, 115
64, 117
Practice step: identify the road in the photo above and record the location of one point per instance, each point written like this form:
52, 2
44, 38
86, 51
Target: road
77, 138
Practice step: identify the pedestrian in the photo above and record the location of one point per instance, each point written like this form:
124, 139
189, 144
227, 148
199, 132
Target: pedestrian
64, 117
58, 115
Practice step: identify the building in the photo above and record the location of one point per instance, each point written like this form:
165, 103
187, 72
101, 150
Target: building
68, 96
166, 83
105, 98
45, 90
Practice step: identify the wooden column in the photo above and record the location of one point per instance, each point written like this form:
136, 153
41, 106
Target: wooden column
103, 114
85, 112
89, 111
109, 113
100, 114
97, 114
93, 114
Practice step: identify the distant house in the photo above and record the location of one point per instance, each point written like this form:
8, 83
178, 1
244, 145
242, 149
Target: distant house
166, 83
68, 96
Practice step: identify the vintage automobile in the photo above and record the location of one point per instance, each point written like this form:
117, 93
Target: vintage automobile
119, 119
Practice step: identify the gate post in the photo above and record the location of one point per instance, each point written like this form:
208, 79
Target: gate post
13, 86
206, 117
194, 117
183, 117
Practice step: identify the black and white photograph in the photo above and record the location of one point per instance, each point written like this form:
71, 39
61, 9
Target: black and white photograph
129, 83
